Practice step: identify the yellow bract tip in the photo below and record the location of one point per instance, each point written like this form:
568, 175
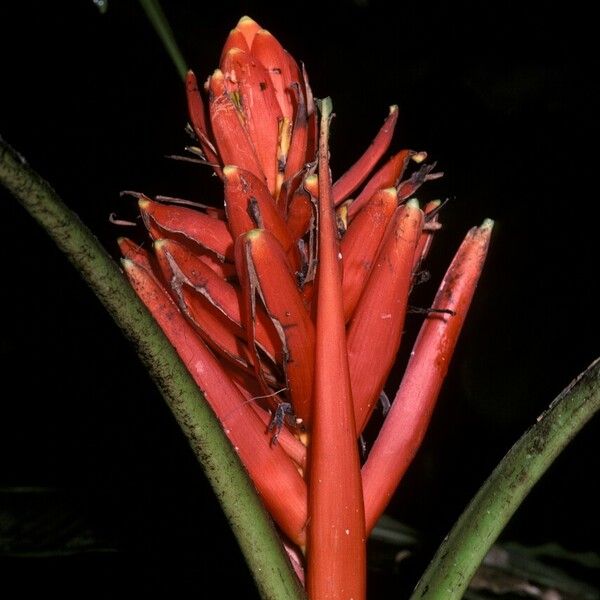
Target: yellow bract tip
246, 20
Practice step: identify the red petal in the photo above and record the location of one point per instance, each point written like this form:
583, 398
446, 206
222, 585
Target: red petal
228, 126
269, 275
209, 322
388, 176
223, 296
407, 421
278, 63
376, 327
134, 252
259, 107
190, 225
249, 28
197, 113
235, 39
336, 538
275, 476
223, 270
300, 214
358, 172
361, 243
249, 205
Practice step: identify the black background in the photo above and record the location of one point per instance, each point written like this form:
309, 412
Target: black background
501, 95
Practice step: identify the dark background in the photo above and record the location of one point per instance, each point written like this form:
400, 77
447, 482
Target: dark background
501, 95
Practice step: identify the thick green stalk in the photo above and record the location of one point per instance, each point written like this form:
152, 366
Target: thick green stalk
251, 524
460, 554
159, 21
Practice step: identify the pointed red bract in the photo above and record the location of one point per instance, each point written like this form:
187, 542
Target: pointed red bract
300, 214
197, 114
279, 65
189, 225
378, 321
360, 170
235, 39
247, 80
266, 273
177, 261
273, 473
224, 296
336, 538
219, 332
388, 176
249, 28
361, 244
223, 270
407, 421
249, 205
134, 252
228, 125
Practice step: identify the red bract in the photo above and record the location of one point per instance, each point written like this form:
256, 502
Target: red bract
288, 306
336, 529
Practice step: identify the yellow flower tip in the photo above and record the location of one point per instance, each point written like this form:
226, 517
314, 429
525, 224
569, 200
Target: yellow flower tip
391, 191
143, 203
253, 234
393, 109
341, 215
248, 28
419, 157
217, 74
127, 264
230, 171
246, 20
311, 185
412, 203
487, 224
158, 244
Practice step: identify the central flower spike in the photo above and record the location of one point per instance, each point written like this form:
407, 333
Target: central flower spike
336, 551
287, 303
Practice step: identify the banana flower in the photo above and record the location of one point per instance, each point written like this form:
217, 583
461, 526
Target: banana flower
287, 304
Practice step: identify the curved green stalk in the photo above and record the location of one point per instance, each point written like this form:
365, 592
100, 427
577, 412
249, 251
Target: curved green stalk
252, 526
460, 554
157, 17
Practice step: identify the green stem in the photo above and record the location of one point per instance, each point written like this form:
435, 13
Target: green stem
460, 554
159, 21
251, 524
